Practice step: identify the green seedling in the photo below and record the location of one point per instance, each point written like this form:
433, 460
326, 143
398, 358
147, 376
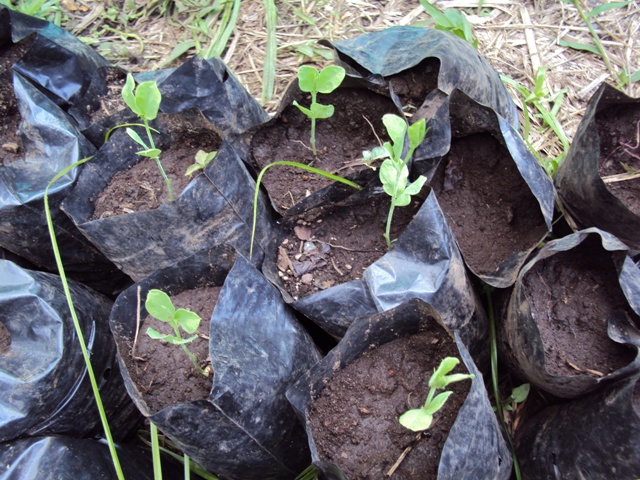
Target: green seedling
49, 10
301, 166
314, 82
159, 306
144, 100
518, 395
202, 160
419, 419
394, 171
538, 98
451, 21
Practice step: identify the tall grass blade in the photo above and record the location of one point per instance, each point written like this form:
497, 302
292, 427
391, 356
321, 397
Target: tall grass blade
269, 72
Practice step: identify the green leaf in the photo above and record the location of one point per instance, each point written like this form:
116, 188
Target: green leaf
438, 380
182, 341
308, 78
159, 305
437, 402
134, 135
179, 50
330, 78
160, 336
458, 377
635, 77
416, 419
189, 321
149, 153
520, 394
148, 98
390, 176
191, 169
377, 153
433, 11
579, 46
396, 129
417, 131
321, 111
606, 6
304, 110
128, 95
415, 187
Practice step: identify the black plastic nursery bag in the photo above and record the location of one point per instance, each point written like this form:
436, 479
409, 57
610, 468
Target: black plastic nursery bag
43, 376
595, 436
520, 332
474, 447
246, 428
423, 263
51, 143
586, 199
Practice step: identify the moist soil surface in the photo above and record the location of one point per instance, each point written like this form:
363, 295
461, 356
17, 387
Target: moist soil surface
355, 418
107, 101
572, 295
413, 85
340, 141
11, 148
619, 132
141, 187
162, 372
488, 205
330, 246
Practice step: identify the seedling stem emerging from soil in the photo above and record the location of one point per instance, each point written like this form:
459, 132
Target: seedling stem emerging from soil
159, 306
419, 419
144, 101
314, 82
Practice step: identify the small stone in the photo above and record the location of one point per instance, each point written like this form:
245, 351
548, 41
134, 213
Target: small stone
302, 233
11, 147
348, 267
308, 247
307, 278
297, 256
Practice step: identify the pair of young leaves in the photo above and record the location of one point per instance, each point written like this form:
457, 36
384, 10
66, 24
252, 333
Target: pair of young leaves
144, 101
314, 82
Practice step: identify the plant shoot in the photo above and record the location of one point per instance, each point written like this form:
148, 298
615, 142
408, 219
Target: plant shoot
144, 101
314, 82
159, 306
202, 160
419, 419
394, 172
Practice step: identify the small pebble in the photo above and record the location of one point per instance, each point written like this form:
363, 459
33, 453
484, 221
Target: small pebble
307, 278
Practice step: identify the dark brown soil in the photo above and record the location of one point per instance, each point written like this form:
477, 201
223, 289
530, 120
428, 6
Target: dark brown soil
5, 338
619, 131
340, 141
413, 85
335, 245
11, 148
355, 418
488, 205
142, 187
572, 295
110, 102
163, 372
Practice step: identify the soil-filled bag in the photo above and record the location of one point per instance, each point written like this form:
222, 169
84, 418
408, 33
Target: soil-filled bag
57, 61
242, 427
568, 327
465, 442
421, 67
595, 436
43, 377
212, 89
424, 263
596, 184
117, 201
80, 459
496, 197
48, 143
356, 125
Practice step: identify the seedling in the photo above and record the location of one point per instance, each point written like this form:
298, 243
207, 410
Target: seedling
518, 395
451, 21
202, 160
419, 419
314, 82
394, 172
159, 306
144, 101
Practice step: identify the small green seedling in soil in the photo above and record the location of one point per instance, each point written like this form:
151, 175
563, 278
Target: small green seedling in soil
419, 419
159, 306
202, 160
314, 82
394, 172
518, 395
144, 101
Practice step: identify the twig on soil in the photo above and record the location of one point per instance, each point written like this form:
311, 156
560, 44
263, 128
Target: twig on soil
403, 455
346, 248
333, 262
135, 339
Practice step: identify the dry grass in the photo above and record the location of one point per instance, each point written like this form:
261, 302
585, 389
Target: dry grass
516, 37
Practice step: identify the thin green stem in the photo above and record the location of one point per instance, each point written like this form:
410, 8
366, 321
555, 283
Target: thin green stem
432, 392
191, 356
313, 128
155, 451
167, 180
269, 70
187, 467
301, 166
387, 233
596, 39
76, 323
